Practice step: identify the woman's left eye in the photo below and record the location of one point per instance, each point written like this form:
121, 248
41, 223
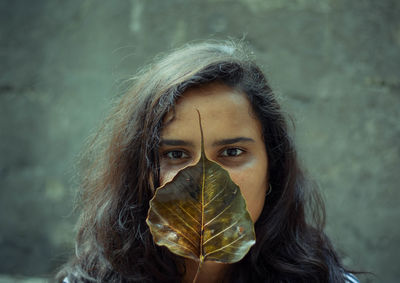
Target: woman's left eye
231, 152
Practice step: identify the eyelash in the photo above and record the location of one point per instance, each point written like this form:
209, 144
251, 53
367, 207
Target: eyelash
185, 155
170, 152
241, 151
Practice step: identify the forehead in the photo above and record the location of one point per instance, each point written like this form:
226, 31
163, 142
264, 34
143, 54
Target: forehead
223, 111
211, 96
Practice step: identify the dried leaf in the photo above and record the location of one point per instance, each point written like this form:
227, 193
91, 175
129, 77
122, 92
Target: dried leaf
201, 214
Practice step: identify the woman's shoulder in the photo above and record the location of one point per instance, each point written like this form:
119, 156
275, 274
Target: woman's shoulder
350, 278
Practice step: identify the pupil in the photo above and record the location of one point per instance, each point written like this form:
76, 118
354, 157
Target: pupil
231, 151
176, 154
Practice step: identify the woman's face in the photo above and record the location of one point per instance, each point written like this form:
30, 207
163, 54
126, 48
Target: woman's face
232, 138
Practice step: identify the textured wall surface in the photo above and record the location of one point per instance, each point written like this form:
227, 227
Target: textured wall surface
334, 64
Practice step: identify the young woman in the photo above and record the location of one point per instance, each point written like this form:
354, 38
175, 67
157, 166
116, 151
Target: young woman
154, 133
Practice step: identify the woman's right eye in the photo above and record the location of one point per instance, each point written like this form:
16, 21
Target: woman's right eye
176, 154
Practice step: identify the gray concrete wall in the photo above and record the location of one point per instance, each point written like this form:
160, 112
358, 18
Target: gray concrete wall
334, 64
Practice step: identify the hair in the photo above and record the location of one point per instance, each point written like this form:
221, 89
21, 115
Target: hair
121, 172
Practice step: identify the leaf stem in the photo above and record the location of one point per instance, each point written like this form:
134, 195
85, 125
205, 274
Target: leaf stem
203, 157
198, 271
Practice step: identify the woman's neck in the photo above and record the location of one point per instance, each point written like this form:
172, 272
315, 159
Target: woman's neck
210, 272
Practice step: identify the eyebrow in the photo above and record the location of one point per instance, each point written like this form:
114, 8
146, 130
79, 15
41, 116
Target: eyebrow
176, 143
232, 141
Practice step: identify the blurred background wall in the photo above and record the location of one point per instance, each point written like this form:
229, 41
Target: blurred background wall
335, 65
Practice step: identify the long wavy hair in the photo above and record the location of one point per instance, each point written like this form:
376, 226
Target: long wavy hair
121, 173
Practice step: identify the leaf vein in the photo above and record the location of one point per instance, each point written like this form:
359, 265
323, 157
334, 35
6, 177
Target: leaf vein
177, 244
176, 230
230, 244
180, 218
189, 215
220, 232
217, 195
219, 214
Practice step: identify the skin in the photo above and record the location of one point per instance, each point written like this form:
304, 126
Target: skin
232, 138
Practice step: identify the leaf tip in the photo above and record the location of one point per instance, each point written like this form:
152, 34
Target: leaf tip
201, 133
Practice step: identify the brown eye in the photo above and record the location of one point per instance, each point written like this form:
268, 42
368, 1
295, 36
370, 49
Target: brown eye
232, 152
176, 154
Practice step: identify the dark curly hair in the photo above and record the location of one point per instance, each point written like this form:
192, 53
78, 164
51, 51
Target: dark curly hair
122, 171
